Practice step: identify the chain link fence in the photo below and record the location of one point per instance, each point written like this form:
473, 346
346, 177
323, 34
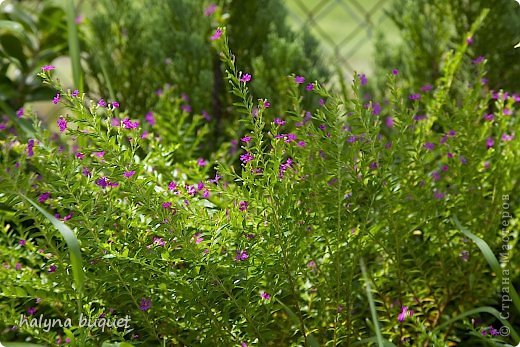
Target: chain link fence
345, 28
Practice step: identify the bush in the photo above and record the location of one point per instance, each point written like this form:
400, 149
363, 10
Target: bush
196, 252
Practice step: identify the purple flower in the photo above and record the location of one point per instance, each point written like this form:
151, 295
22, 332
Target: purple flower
48, 67
31, 311
43, 197
489, 117
469, 40
102, 182
301, 144
299, 80
75, 93
414, 96
284, 167
99, 154
438, 195
22, 242
279, 121
490, 142
172, 186
30, 146
19, 113
241, 255
102, 103
436, 176
419, 117
56, 99
464, 255
129, 174
426, 88
507, 112
216, 35
62, 124
309, 86
245, 78
246, 157
404, 314
265, 296
186, 108
191, 190
395, 72
507, 138
202, 162
208, 11
158, 241
429, 146
115, 104
243, 205
389, 122
166, 204
52, 268
322, 102
376, 109
85, 172
246, 139
145, 304
363, 79
373, 165
267, 104
128, 124
478, 60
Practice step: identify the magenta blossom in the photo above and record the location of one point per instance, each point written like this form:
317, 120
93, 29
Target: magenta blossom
404, 314
115, 104
128, 124
145, 304
243, 205
246, 157
48, 67
279, 121
172, 186
150, 118
129, 174
246, 139
62, 124
299, 79
245, 78
102, 103
265, 296
56, 99
216, 35
241, 255
19, 113
202, 162
208, 11
43, 197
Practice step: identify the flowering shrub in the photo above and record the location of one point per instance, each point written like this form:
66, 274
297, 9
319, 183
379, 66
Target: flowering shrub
360, 222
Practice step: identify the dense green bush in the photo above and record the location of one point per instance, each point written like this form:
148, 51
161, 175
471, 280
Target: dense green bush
428, 29
344, 217
148, 46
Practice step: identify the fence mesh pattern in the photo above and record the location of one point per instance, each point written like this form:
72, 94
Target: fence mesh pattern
345, 28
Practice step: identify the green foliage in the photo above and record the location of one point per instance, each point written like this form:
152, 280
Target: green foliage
430, 28
197, 250
31, 35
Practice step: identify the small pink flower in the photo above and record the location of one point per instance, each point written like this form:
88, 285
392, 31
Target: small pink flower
299, 79
115, 104
172, 186
310, 87
56, 99
216, 35
246, 139
202, 162
265, 296
102, 103
404, 314
279, 121
246, 157
150, 118
389, 122
243, 205
166, 204
48, 67
490, 142
19, 113
197, 238
44, 197
208, 11
245, 78
395, 72
75, 93
62, 124
129, 174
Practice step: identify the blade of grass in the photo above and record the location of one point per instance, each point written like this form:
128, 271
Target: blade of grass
491, 260
72, 244
74, 50
484, 309
379, 335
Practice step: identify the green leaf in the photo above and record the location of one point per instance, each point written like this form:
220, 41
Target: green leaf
19, 344
490, 258
484, 309
74, 49
72, 243
116, 344
379, 335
